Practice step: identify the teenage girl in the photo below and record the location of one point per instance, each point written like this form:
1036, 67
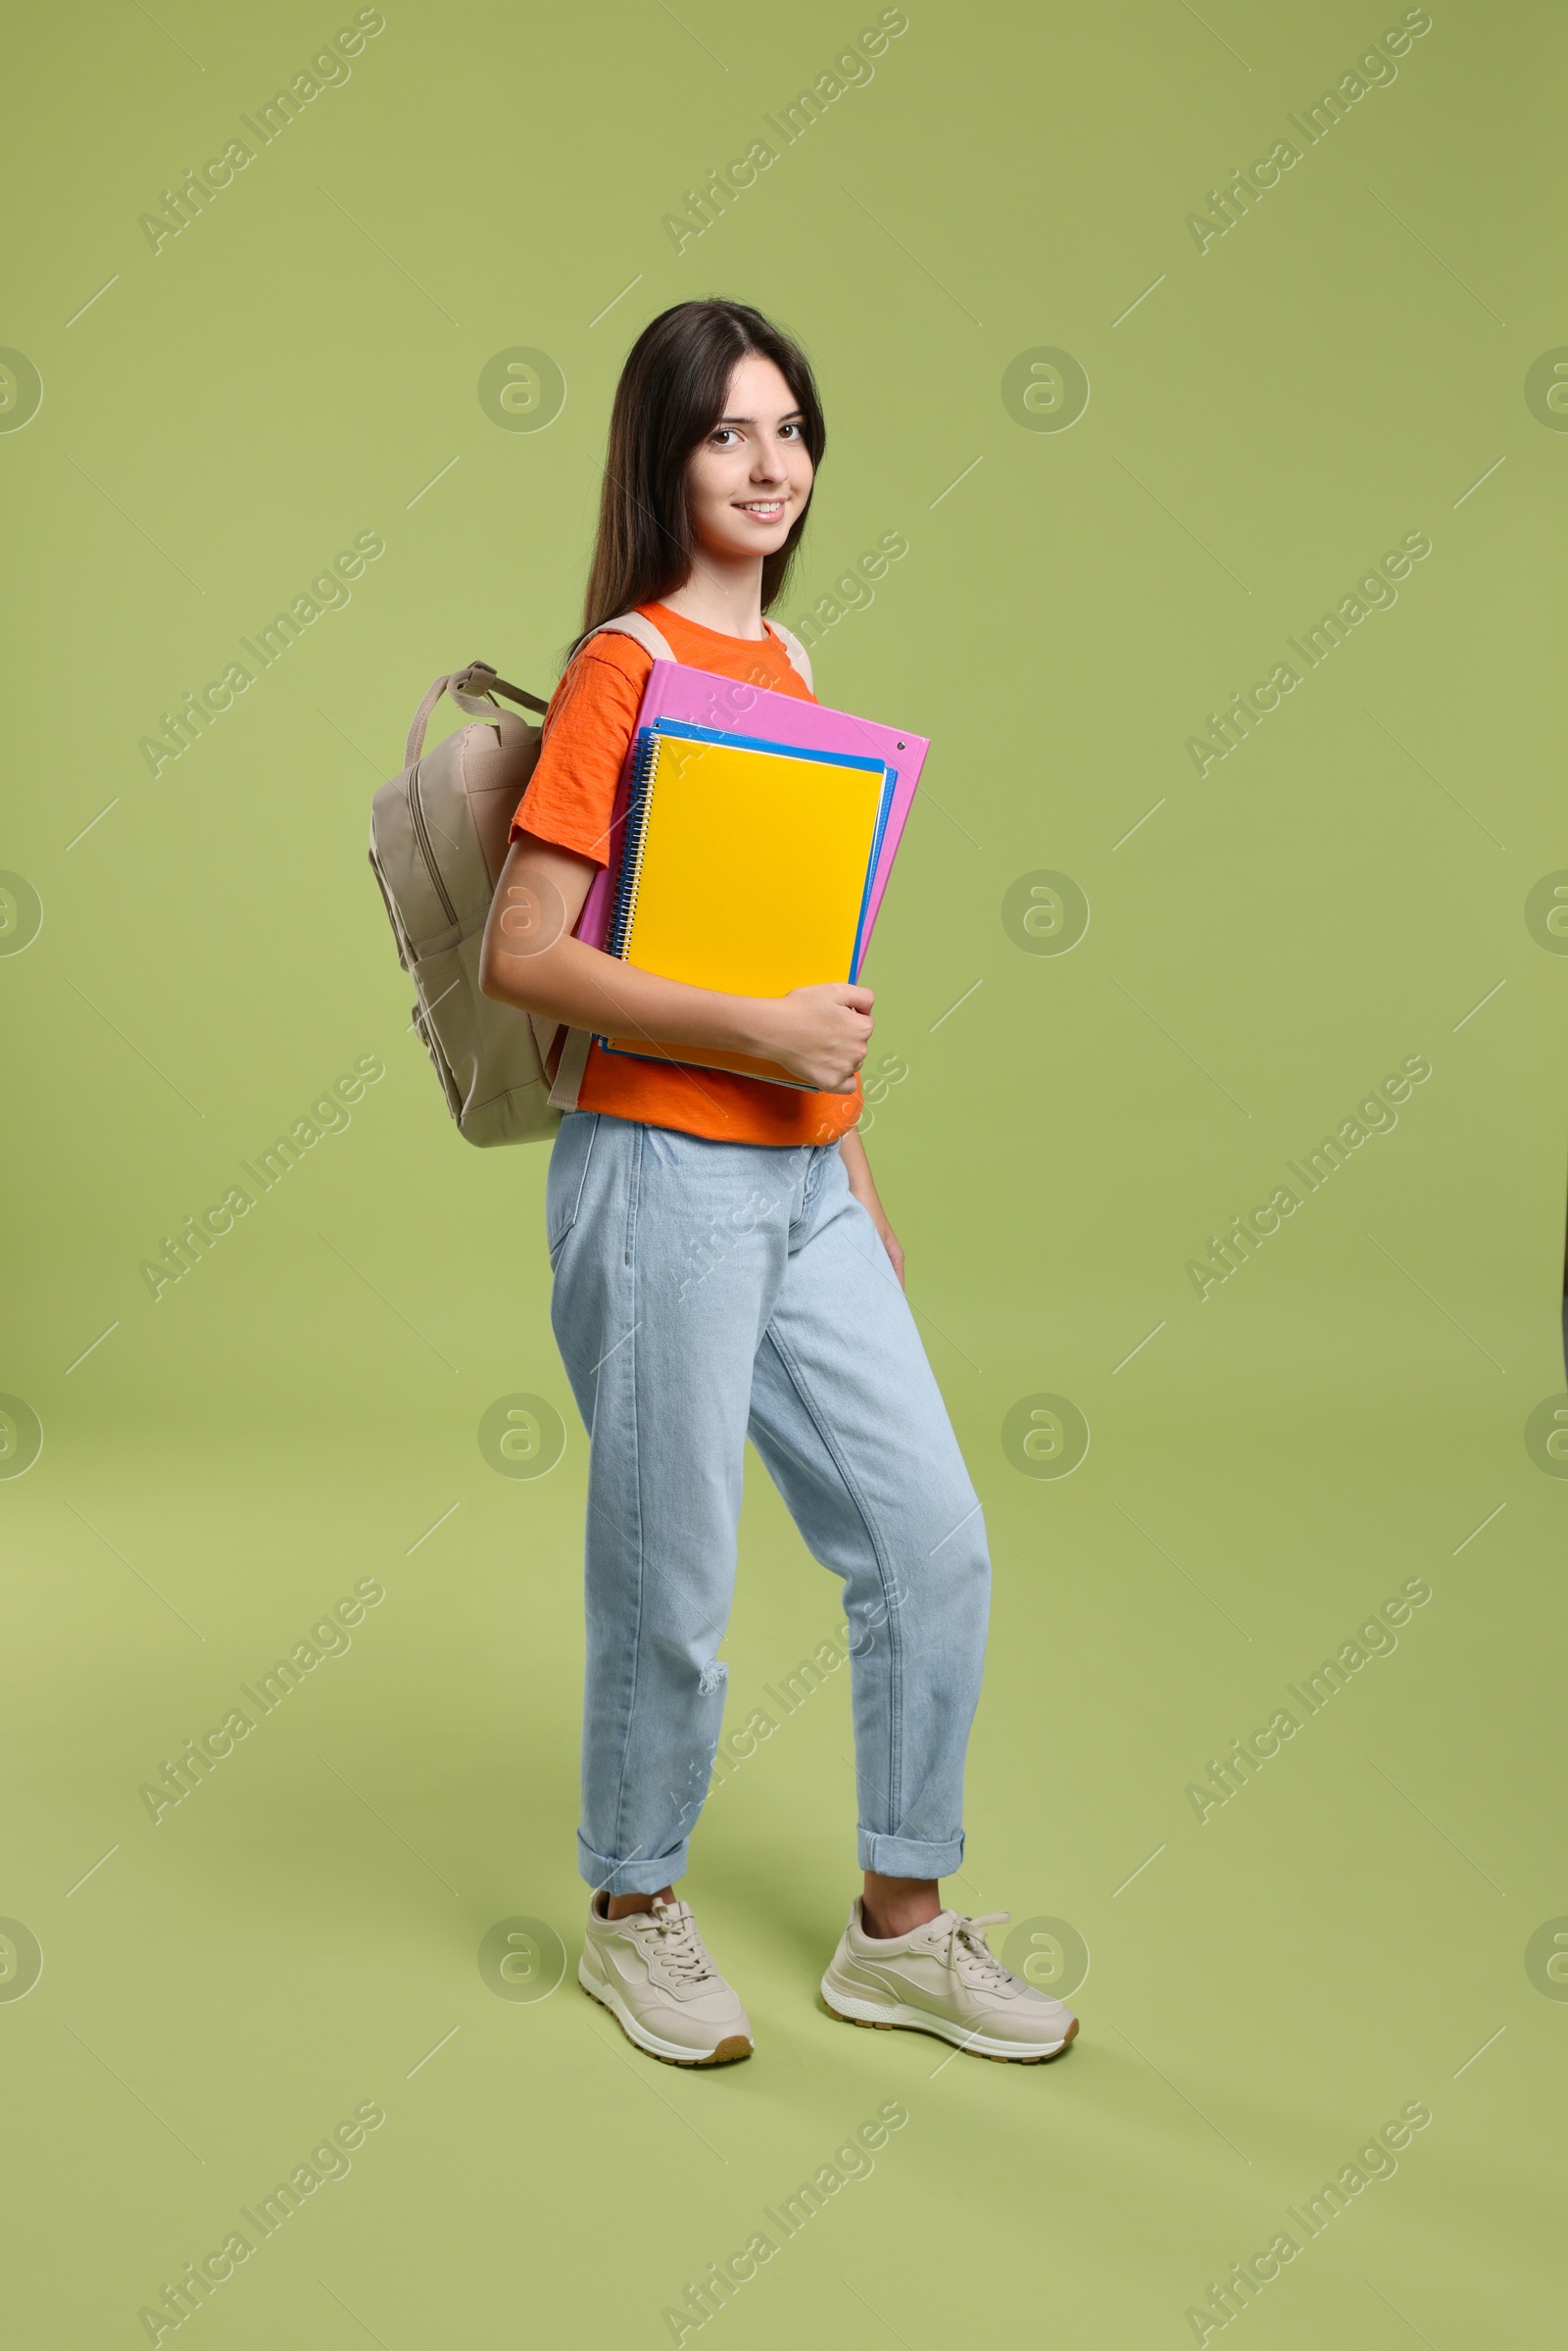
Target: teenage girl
723, 1268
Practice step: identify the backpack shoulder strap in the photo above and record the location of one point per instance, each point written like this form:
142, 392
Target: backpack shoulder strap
800, 659
641, 631
644, 633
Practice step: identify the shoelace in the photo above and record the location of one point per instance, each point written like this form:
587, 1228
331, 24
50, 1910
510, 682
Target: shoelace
679, 1947
968, 1951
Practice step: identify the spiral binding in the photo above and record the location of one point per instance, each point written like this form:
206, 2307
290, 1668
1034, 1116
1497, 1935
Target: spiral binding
634, 838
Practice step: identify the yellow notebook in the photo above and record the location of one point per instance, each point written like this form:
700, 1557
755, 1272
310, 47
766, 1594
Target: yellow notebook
746, 868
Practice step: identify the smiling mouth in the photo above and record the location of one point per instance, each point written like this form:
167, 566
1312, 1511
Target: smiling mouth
766, 509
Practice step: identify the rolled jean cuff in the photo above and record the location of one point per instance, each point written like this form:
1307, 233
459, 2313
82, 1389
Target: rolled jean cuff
908, 1858
631, 1877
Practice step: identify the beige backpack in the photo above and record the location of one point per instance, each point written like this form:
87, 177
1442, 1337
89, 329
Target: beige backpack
439, 834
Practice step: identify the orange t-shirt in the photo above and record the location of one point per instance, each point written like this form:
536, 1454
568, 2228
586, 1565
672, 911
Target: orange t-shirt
570, 802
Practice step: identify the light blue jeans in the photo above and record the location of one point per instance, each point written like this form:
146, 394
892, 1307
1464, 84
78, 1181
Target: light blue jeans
707, 1291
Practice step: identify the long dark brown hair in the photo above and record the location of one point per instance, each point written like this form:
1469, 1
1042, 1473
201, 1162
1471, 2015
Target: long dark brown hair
670, 396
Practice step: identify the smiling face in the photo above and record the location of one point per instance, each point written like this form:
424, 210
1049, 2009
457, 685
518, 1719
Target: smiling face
750, 479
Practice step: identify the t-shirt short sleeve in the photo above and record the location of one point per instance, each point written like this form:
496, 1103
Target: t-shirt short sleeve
593, 715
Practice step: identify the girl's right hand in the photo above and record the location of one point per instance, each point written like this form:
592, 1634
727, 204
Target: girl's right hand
819, 1034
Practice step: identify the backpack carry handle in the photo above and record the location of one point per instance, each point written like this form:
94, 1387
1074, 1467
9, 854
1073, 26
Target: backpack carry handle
465, 687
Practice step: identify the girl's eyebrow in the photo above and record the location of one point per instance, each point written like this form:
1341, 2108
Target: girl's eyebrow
795, 415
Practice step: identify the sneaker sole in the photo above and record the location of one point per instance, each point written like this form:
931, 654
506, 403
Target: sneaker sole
729, 2052
898, 2019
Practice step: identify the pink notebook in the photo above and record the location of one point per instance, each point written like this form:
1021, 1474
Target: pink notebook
699, 698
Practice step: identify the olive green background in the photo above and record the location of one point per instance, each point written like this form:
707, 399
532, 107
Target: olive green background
1265, 418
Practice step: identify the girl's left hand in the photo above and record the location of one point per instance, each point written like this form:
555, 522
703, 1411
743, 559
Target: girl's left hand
857, 1167
890, 1241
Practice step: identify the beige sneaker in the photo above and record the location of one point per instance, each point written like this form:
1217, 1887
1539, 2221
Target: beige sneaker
653, 1973
944, 1979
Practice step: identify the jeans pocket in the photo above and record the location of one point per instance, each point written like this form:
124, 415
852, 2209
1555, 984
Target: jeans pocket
569, 1158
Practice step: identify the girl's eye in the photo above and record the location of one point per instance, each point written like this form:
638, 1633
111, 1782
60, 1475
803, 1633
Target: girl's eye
723, 435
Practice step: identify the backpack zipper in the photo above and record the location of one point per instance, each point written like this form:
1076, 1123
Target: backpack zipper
422, 837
